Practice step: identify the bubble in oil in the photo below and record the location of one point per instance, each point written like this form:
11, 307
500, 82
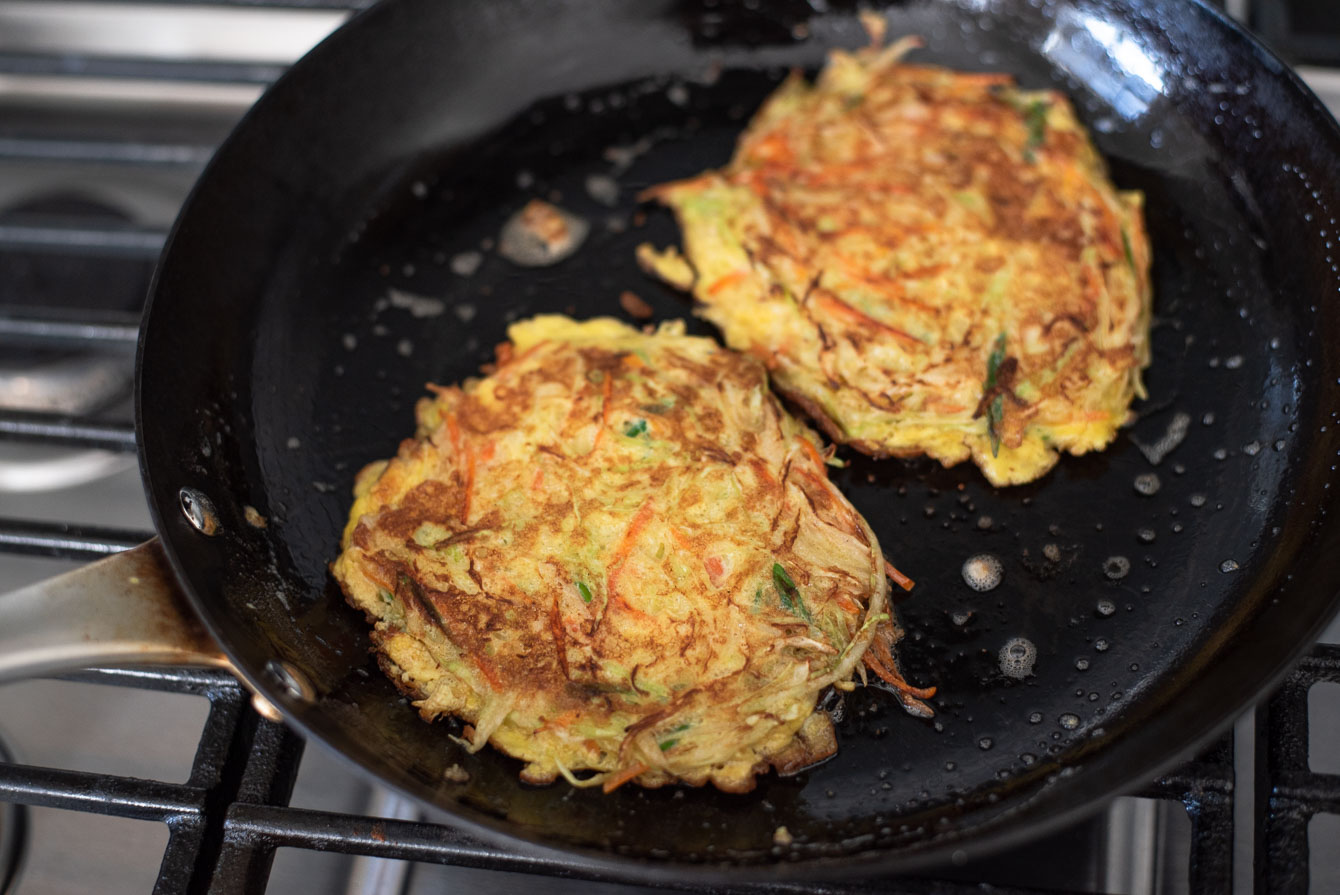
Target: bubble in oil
1068, 721
1017, 657
1116, 567
1035, 717
1081, 664
983, 572
1228, 565
1197, 500
985, 743
1106, 608
1146, 535
1101, 645
1147, 484
1252, 448
960, 617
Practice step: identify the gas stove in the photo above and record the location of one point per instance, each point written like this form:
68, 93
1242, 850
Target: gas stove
166, 780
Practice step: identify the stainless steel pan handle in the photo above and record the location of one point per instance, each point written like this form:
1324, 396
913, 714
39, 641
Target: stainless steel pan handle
123, 610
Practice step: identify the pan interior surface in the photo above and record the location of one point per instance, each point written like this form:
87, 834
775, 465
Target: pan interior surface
342, 251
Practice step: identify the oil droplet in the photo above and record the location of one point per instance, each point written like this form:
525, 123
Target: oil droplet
1228, 565
1101, 645
1147, 484
1116, 567
985, 743
1106, 607
1252, 448
1233, 362
1068, 721
1028, 758
1081, 664
982, 572
465, 264
984, 522
1035, 717
1146, 535
293, 443
1016, 658
1279, 445
1198, 500
950, 766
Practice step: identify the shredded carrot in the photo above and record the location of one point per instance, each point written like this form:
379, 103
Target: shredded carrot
488, 673
774, 148
487, 453
812, 451
891, 676
622, 777
850, 606
632, 361
680, 538
562, 720
439, 390
898, 577
538, 480
621, 552
640, 520
715, 570
728, 280
842, 309
606, 391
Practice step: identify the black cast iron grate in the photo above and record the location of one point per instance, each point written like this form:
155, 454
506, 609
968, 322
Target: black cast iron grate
231, 814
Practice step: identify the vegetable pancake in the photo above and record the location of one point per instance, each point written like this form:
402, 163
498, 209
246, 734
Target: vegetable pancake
928, 261
618, 554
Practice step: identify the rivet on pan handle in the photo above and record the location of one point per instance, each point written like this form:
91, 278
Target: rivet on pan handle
123, 610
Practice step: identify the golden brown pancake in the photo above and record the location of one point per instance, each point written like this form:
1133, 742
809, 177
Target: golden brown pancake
618, 558
928, 262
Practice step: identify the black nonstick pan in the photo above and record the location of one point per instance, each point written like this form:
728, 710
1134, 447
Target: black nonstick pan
341, 251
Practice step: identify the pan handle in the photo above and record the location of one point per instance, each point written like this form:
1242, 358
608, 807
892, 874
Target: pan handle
123, 610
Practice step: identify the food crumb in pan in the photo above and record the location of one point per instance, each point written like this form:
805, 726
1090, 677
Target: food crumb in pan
782, 837
254, 518
456, 774
1051, 552
634, 305
1228, 565
404, 348
541, 234
465, 311
1069, 721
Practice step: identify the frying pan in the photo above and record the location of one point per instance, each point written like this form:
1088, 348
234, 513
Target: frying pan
321, 272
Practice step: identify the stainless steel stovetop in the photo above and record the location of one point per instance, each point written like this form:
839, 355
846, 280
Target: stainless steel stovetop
107, 113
